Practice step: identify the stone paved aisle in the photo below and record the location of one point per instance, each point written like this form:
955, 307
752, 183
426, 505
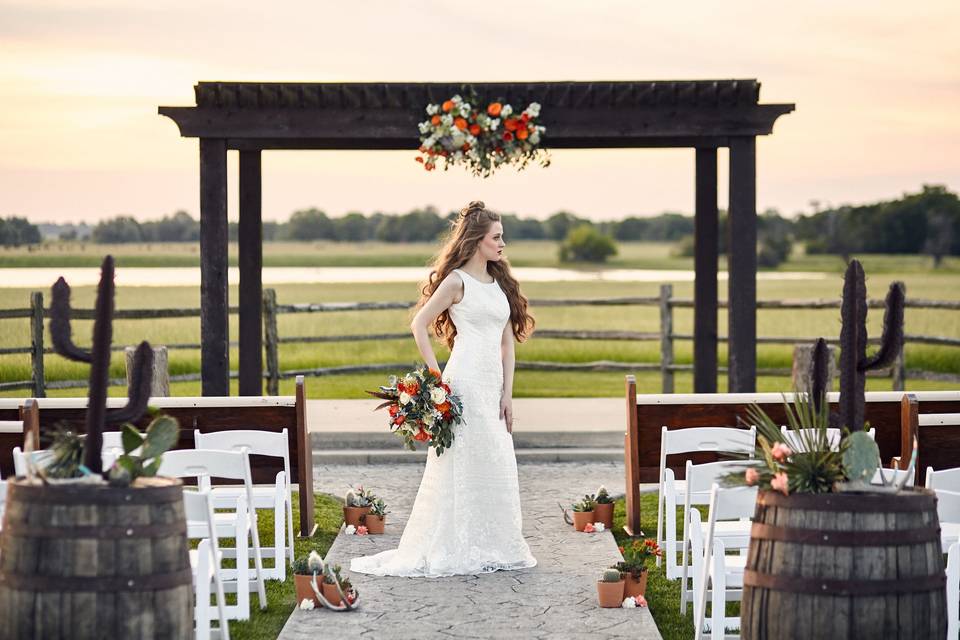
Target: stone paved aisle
556, 599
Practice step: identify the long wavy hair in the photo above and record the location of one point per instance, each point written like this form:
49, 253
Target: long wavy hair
460, 243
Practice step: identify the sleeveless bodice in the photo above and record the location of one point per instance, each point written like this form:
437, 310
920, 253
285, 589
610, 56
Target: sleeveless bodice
480, 318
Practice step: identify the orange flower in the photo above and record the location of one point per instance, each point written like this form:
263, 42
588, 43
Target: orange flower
524, 118
447, 105
510, 124
422, 436
435, 120
434, 372
494, 109
394, 409
413, 388
401, 386
419, 159
507, 136
460, 123
522, 134
445, 386
475, 129
399, 420
443, 406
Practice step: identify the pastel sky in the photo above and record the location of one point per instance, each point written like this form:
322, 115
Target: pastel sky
876, 84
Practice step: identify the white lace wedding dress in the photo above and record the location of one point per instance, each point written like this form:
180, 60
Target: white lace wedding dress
466, 517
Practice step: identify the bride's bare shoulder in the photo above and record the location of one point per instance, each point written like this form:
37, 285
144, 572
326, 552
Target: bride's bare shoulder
452, 286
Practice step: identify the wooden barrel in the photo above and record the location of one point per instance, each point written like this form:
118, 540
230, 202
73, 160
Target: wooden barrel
845, 565
95, 562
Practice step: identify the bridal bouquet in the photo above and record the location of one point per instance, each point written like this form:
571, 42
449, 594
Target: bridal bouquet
421, 408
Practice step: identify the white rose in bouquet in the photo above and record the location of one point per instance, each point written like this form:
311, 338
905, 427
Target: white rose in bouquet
438, 395
404, 397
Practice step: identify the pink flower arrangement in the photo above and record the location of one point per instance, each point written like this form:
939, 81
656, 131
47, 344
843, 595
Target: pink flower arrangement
361, 530
751, 476
588, 528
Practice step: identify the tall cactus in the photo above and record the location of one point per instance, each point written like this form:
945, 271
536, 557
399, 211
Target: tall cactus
854, 362
138, 393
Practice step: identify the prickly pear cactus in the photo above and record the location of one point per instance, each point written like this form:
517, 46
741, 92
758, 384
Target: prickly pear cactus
350, 499
861, 459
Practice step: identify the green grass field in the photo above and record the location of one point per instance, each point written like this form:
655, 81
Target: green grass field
806, 324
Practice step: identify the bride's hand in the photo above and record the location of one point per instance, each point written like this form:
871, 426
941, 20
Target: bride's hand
506, 412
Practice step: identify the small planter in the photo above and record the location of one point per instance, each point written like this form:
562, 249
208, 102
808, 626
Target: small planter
351, 515
330, 593
581, 518
635, 587
603, 512
304, 590
610, 594
374, 523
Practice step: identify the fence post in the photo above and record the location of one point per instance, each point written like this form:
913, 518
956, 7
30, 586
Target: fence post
36, 344
900, 370
666, 337
270, 340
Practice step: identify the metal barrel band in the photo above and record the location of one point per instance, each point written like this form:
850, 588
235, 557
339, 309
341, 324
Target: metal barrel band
97, 584
99, 532
916, 501
841, 588
761, 531
78, 495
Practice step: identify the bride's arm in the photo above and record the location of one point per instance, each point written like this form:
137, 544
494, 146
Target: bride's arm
508, 354
442, 298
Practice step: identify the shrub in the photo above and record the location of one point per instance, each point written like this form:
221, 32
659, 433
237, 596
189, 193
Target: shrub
586, 244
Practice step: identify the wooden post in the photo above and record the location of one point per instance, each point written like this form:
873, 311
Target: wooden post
899, 372
801, 373
705, 260
742, 266
631, 461
36, 344
909, 429
214, 304
30, 416
666, 337
250, 251
160, 378
308, 525
270, 328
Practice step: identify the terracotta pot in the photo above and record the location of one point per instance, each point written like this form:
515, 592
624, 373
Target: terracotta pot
374, 523
581, 518
604, 513
304, 591
610, 594
330, 593
633, 587
351, 515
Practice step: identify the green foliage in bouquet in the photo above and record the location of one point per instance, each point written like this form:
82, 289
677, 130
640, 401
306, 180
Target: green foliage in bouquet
142, 453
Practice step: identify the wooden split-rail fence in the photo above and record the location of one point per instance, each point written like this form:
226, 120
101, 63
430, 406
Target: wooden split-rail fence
36, 313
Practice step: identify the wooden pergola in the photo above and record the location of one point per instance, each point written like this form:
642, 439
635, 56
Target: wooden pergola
252, 117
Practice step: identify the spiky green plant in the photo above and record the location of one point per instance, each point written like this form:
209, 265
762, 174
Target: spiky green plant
160, 436
611, 575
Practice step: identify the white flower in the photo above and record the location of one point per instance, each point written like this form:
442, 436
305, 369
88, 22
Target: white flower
438, 395
456, 99
599, 526
432, 109
350, 530
429, 142
494, 123
465, 110
315, 562
534, 138
307, 604
404, 397
428, 419
629, 603
424, 127
506, 111
446, 119
533, 110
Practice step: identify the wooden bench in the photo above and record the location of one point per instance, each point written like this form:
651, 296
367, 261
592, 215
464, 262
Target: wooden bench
647, 413
939, 439
265, 413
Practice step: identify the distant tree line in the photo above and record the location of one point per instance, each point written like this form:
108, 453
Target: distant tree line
15, 232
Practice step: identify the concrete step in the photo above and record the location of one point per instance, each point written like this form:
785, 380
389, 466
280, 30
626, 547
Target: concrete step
328, 441
396, 455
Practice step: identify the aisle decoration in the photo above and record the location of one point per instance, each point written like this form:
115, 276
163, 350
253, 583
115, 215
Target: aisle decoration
483, 138
422, 408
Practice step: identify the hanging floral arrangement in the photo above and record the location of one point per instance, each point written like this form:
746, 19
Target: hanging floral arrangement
481, 138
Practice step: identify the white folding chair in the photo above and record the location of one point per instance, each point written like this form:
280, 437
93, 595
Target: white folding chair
205, 563
278, 497
721, 575
953, 590
892, 476
736, 534
948, 512
233, 465
3, 500
796, 442
948, 479
690, 441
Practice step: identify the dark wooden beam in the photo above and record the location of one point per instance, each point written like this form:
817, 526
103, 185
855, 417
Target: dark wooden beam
250, 254
705, 259
411, 143
742, 266
391, 128
214, 319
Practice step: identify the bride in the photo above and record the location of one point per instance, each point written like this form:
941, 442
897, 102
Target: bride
466, 517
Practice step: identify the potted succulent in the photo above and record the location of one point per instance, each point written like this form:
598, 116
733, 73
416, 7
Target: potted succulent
303, 572
610, 589
603, 512
376, 517
334, 584
356, 503
634, 565
583, 512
